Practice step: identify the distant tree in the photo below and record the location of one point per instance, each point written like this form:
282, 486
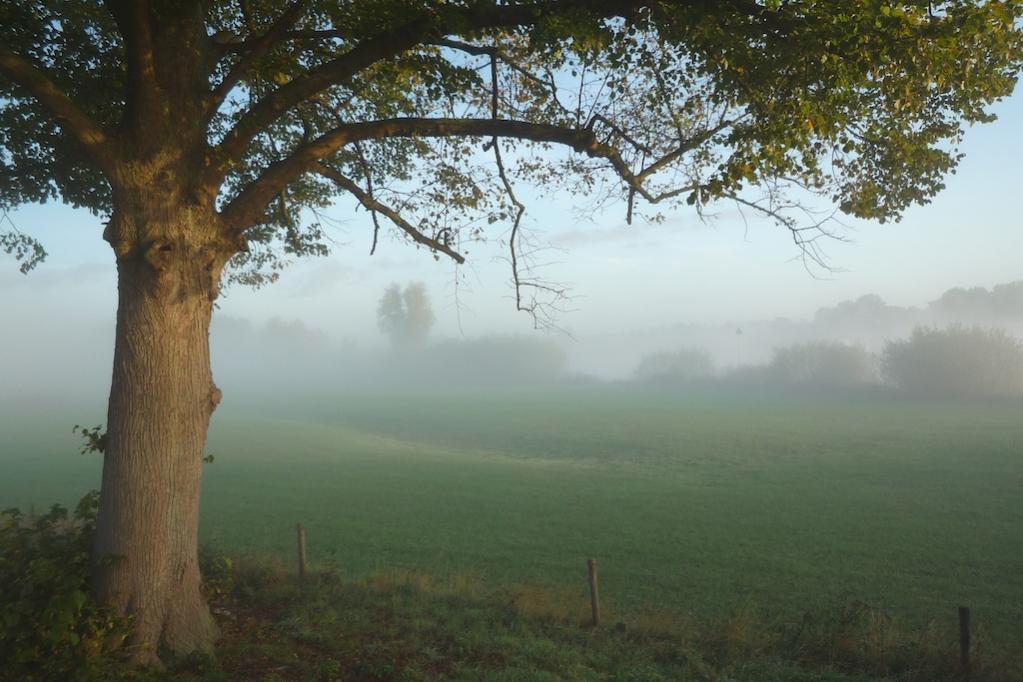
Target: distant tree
405, 316
956, 361
1007, 301
1003, 304
391, 313
866, 313
678, 366
823, 364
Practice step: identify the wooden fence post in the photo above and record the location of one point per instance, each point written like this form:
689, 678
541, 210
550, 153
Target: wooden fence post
594, 595
964, 638
301, 550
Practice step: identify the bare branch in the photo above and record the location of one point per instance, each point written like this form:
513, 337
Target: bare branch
685, 146
493, 52
806, 237
70, 117
538, 309
369, 191
374, 205
520, 208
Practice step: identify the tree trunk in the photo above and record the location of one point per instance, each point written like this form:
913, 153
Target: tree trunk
161, 398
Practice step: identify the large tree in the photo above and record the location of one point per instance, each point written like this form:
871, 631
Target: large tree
209, 133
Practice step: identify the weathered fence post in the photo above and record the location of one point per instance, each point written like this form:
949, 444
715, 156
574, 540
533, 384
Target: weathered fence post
301, 550
594, 595
964, 638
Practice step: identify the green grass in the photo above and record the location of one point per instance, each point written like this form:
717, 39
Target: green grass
773, 506
412, 627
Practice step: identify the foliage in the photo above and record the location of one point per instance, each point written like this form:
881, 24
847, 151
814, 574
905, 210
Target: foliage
23, 247
218, 579
823, 364
49, 627
405, 316
406, 106
679, 366
955, 361
95, 438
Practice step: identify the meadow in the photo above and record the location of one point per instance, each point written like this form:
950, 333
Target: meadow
704, 507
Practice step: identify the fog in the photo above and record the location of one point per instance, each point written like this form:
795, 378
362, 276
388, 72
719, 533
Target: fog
65, 359
866, 321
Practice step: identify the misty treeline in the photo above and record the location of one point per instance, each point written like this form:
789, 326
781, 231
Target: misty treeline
290, 357
965, 343
863, 344
954, 361
957, 359
867, 321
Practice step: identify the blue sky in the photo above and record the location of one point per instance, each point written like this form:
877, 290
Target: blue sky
623, 278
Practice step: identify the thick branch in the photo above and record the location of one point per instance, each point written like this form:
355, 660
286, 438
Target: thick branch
419, 30
71, 118
132, 18
367, 200
232, 42
247, 208
339, 70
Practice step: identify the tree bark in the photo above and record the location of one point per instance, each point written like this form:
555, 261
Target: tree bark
161, 398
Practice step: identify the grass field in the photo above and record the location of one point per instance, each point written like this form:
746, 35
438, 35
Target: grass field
772, 505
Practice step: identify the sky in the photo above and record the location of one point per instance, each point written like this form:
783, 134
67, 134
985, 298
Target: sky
622, 278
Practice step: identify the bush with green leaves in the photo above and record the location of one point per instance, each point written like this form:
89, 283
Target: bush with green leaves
49, 627
955, 362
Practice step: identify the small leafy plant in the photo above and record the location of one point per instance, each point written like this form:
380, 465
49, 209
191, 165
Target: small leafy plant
218, 576
95, 438
49, 627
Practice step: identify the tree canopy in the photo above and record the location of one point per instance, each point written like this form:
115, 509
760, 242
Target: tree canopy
408, 105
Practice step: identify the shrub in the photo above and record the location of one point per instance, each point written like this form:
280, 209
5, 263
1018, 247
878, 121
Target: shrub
824, 364
683, 365
956, 361
49, 627
218, 576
